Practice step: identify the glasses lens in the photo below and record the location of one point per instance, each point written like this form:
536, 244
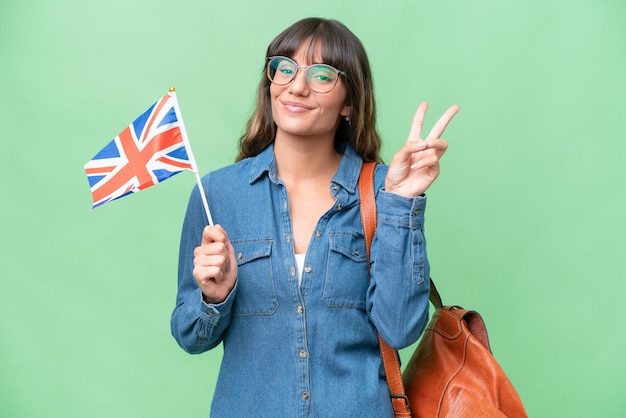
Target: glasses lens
321, 77
281, 70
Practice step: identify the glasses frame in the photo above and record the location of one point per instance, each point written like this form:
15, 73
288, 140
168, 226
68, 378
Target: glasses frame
306, 69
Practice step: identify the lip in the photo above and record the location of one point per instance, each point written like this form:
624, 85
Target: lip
295, 106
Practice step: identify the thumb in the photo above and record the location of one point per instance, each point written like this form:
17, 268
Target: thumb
214, 234
207, 235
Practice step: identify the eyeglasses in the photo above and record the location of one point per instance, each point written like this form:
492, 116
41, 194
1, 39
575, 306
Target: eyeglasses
321, 78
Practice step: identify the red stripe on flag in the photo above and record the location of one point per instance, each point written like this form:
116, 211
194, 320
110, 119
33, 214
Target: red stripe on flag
99, 170
180, 164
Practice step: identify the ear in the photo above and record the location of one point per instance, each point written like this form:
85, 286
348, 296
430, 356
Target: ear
346, 111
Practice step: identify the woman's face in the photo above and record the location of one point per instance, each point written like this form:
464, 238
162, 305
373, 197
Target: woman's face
299, 111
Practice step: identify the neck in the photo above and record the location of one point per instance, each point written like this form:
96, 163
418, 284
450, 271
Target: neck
302, 159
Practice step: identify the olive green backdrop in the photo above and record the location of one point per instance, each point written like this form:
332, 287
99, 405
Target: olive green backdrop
525, 225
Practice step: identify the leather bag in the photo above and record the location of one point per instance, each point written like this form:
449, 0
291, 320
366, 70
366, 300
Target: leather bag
452, 372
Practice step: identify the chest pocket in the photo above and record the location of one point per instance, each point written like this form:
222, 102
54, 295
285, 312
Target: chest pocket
256, 294
346, 272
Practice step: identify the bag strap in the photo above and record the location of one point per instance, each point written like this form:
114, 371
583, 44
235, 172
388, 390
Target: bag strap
434, 297
391, 364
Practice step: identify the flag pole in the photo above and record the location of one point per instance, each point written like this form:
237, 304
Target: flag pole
194, 166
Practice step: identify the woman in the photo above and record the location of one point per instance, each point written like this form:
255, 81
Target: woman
282, 281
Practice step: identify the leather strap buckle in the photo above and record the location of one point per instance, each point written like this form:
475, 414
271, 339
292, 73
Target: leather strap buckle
401, 396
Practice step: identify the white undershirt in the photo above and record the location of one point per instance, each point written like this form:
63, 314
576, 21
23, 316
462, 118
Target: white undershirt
300, 266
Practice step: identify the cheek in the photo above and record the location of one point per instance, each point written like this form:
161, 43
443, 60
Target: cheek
275, 92
336, 99
274, 89
272, 102
333, 107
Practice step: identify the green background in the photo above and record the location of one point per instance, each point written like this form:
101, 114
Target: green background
526, 223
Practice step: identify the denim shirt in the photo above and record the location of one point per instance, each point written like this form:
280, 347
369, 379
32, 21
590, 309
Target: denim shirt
307, 350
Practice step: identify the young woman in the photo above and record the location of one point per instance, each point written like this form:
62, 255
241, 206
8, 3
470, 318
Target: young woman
282, 281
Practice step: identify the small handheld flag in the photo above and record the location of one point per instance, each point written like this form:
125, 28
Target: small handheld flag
151, 149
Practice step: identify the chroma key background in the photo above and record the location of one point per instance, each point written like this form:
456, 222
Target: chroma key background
526, 223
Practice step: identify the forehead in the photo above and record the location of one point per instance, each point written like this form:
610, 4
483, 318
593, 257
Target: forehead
307, 53
312, 49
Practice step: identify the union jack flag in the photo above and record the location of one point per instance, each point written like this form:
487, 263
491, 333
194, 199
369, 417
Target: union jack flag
148, 151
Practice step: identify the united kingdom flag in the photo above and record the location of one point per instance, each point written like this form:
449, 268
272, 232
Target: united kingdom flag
148, 151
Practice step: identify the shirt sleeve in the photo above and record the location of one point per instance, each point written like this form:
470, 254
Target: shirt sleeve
196, 325
400, 272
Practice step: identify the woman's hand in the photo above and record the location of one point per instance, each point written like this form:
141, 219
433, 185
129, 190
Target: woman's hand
215, 266
416, 165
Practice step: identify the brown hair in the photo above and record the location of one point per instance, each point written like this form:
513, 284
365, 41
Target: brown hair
341, 49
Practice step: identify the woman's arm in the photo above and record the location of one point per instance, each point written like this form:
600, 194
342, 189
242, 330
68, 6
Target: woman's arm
400, 273
399, 283
207, 274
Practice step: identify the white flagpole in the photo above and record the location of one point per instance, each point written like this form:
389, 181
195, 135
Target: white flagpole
192, 160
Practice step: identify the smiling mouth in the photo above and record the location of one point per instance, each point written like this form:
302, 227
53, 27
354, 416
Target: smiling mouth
295, 107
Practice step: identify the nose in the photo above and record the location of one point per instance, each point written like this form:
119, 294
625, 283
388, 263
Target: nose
298, 84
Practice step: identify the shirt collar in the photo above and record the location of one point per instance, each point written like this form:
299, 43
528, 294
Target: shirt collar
347, 175
263, 162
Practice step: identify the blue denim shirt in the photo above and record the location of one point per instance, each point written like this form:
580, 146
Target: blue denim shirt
308, 350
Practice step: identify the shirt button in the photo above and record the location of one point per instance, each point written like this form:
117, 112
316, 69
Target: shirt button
300, 309
339, 207
293, 271
302, 354
335, 187
305, 396
308, 269
288, 238
318, 234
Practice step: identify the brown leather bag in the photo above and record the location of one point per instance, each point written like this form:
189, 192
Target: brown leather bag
452, 372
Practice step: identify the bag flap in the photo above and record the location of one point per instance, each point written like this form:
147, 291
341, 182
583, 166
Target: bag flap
448, 322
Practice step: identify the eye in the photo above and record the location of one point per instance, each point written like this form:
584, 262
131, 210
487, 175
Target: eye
322, 74
285, 67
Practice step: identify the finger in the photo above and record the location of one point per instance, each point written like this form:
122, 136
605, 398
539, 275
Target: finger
231, 256
209, 271
426, 161
209, 260
214, 234
436, 149
210, 249
436, 144
207, 235
408, 149
415, 134
442, 123
208, 275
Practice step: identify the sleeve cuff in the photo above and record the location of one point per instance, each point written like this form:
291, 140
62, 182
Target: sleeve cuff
212, 312
400, 211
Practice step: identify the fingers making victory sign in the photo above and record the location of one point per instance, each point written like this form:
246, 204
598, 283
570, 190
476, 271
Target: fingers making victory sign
416, 165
